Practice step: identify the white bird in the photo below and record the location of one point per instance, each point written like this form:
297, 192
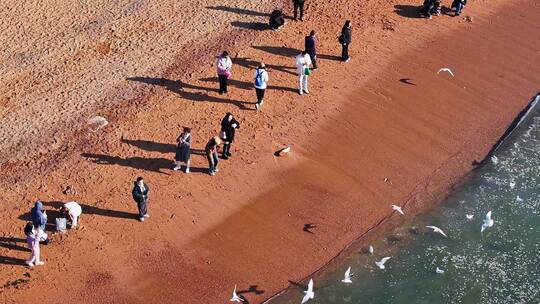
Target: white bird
347, 277
436, 229
494, 159
469, 216
370, 249
380, 263
235, 297
284, 151
445, 70
488, 222
398, 209
439, 271
519, 199
98, 121
309, 292
512, 184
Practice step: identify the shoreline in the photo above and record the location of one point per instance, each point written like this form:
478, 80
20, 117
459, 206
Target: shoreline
216, 230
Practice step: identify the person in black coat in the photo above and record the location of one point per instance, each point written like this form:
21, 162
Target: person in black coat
458, 6
298, 6
228, 128
311, 48
345, 39
140, 196
427, 8
277, 20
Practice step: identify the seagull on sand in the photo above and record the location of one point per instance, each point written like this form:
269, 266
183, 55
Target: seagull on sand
370, 249
309, 292
439, 271
235, 297
436, 229
469, 216
348, 275
380, 263
488, 222
398, 209
445, 70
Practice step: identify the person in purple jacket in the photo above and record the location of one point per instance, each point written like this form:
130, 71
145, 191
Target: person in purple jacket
311, 49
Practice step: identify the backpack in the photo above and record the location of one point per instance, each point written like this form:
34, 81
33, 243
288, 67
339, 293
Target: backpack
259, 79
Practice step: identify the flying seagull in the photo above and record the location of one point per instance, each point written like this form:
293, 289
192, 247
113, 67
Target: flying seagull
370, 249
445, 70
309, 292
380, 263
348, 275
436, 229
512, 184
439, 271
235, 297
398, 209
469, 216
494, 159
488, 222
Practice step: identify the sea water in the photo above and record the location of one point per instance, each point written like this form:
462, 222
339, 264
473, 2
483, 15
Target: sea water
500, 265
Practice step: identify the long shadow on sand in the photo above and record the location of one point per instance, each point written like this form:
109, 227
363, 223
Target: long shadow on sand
87, 209
253, 64
257, 26
139, 163
244, 85
240, 11
179, 86
13, 243
153, 146
11, 261
279, 50
408, 11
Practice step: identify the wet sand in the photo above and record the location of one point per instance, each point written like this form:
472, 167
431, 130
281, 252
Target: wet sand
385, 114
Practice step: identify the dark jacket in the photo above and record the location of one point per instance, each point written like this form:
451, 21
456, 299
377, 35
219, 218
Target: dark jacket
346, 33
298, 1
310, 45
226, 126
276, 19
138, 195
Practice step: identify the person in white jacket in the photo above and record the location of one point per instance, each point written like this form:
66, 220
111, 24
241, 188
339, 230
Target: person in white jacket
72, 211
261, 80
224, 69
303, 62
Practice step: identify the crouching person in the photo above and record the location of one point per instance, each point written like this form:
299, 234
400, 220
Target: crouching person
71, 211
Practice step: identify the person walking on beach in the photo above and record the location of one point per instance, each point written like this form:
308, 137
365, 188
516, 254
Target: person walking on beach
303, 61
140, 196
228, 129
345, 39
183, 150
261, 80
311, 49
211, 150
224, 71
298, 7
277, 20
32, 239
39, 220
458, 6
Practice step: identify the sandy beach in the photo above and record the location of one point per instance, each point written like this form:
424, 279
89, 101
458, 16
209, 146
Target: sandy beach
148, 67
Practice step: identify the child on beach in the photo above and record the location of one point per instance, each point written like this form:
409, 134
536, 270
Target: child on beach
211, 150
183, 149
261, 80
224, 68
32, 238
140, 196
228, 130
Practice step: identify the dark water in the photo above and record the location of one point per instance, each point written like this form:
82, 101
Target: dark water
500, 265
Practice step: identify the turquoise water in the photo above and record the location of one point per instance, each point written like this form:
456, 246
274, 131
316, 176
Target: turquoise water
500, 265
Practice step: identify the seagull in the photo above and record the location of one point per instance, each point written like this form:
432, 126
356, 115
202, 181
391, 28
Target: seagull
380, 263
512, 184
348, 275
436, 229
439, 271
235, 297
284, 151
519, 199
469, 216
494, 159
309, 292
98, 121
398, 209
445, 70
370, 249
488, 222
